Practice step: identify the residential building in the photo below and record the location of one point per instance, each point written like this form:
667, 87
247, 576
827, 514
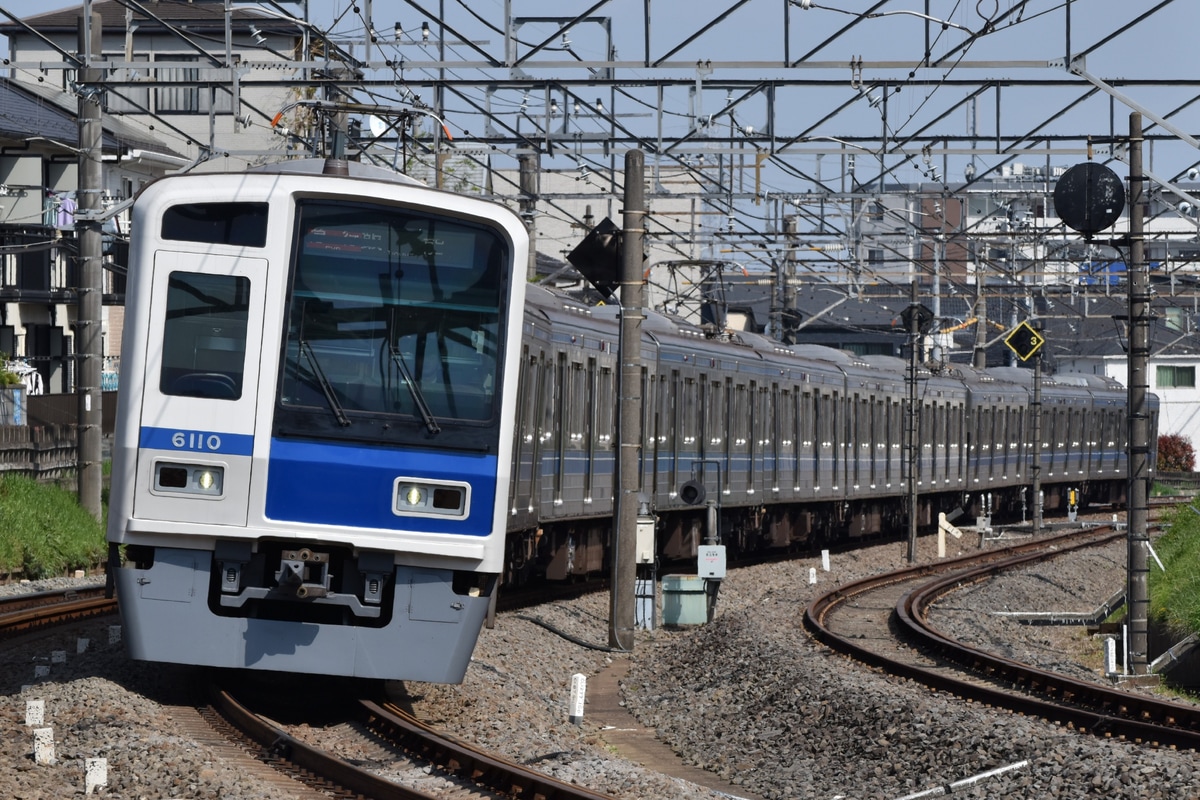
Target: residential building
167, 105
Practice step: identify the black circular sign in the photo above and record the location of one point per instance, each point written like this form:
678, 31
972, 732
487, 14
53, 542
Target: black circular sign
1089, 197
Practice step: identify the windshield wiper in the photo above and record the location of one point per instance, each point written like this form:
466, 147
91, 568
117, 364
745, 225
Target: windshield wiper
418, 398
326, 387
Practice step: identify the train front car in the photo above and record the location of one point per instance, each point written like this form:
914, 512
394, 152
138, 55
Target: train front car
314, 428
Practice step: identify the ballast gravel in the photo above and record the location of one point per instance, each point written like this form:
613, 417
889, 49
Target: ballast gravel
749, 697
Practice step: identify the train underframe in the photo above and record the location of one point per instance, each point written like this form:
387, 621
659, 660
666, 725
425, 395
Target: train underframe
574, 549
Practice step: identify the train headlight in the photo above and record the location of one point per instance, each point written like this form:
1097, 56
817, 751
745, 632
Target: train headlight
194, 479
418, 497
414, 496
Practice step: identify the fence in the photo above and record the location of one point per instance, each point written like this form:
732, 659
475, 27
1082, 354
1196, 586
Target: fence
1183, 481
46, 448
45, 452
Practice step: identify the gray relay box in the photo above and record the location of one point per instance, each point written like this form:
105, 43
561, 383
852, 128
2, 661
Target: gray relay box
710, 561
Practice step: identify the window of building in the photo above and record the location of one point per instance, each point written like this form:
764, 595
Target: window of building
128, 99
1176, 377
186, 89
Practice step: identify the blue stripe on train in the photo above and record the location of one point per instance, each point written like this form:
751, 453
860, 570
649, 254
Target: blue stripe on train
352, 485
227, 444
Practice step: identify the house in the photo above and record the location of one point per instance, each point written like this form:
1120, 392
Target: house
167, 105
169, 73
39, 179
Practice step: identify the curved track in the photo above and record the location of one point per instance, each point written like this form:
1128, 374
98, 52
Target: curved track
876, 619
464, 771
459, 770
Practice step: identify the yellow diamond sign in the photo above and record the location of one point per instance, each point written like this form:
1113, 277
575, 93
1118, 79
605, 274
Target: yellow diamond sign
1024, 341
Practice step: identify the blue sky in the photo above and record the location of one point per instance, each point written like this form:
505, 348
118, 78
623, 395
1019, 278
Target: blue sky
918, 98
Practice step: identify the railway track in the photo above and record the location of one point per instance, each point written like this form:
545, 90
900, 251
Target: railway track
883, 621
395, 740
26, 613
384, 737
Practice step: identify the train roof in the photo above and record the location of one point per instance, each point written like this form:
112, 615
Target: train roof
321, 166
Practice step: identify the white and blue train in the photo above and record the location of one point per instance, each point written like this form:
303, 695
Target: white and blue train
344, 419
315, 422
794, 445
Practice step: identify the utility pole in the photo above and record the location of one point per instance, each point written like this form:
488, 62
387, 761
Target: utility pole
910, 443
792, 244
528, 204
88, 229
1035, 465
980, 356
1137, 592
624, 561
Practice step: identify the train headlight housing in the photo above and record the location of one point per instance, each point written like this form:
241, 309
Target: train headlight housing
196, 479
426, 498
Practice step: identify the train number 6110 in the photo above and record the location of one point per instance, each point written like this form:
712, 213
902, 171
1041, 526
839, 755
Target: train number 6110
194, 440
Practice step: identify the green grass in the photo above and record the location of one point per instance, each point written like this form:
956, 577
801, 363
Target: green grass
43, 530
1175, 593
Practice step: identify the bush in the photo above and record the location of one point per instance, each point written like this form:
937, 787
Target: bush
1175, 593
1175, 453
43, 530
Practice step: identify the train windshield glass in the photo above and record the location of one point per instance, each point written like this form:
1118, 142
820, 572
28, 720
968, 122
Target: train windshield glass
393, 313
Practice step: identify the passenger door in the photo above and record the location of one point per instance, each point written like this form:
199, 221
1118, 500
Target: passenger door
201, 382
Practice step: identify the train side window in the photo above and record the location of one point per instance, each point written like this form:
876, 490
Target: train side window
239, 224
603, 429
204, 338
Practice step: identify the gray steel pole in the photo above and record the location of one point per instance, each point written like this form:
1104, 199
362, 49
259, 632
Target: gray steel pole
980, 359
789, 282
624, 561
88, 230
529, 165
1035, 461
914, 335
1137, 591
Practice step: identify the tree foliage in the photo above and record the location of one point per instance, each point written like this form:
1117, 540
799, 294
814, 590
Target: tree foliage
1175, 453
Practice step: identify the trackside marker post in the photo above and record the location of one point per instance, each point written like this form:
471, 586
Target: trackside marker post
35, 713
114, 634
43, 745
96, 774
825, 560
812, 575
81, 645
1110, 657
578, 695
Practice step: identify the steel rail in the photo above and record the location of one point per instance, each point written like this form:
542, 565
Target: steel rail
22, 614
331, 774
1094, 707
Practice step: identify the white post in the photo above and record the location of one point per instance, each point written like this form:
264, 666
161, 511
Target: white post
812, 576
35, 713
96, 775
1110, 657
43, 745
825, 560
578, 695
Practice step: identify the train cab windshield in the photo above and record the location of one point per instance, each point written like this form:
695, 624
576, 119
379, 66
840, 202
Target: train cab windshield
393, 327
